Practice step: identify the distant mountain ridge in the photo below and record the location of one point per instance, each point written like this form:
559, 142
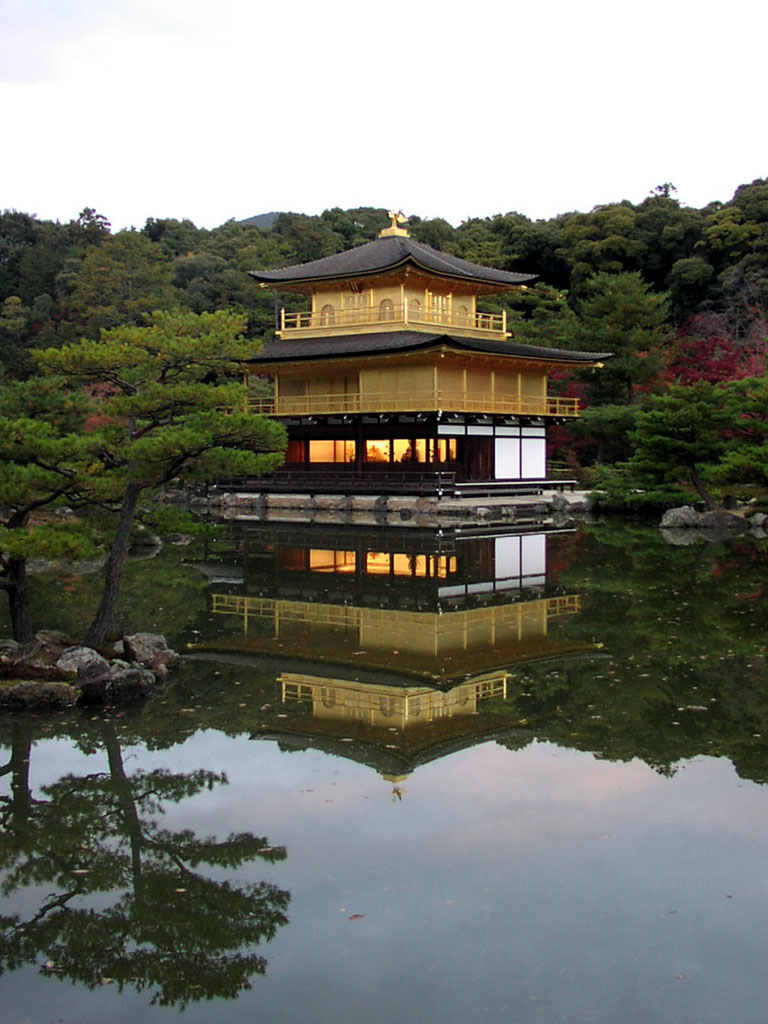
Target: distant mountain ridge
261, 220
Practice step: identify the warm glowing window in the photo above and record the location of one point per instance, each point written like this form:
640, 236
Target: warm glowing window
331, 451
414, 309
409, 449
387, 310
378, 451
327, 315
331, 561
462, 314
377, 563
442, 450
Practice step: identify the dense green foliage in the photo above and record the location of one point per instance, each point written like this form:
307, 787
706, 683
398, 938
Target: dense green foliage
125, 414
679, 295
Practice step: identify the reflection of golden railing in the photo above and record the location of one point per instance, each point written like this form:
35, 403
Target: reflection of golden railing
399, 315
387, 705
316, 614
570, 604
427, 400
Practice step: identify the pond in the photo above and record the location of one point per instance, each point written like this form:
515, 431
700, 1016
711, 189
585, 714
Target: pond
404, 775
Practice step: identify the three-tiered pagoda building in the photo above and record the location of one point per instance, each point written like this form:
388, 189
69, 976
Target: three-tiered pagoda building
395, 382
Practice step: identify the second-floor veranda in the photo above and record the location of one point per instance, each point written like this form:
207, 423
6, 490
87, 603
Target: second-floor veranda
387, 315
420, 400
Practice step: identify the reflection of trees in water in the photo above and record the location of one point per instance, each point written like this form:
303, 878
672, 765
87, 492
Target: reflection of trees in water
171, 930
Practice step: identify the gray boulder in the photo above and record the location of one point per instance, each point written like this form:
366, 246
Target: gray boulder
722, 522
73, 659
129, 684
148, 649
759, 521
676, 518
9, 649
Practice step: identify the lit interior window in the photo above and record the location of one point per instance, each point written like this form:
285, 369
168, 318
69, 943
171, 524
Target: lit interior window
331, 451
446, 449
409, 449
377, 451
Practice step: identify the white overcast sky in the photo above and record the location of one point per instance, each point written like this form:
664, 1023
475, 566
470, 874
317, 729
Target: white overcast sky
229, 108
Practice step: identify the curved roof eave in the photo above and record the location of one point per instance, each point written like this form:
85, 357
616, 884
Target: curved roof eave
350, 345
386, 255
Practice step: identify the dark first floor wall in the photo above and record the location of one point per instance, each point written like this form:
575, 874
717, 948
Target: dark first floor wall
474, 451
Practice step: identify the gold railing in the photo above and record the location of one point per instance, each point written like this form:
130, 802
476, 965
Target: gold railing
569, 604
428, 400
401, 315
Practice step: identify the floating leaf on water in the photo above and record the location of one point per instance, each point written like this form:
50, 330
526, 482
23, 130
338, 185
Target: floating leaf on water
356, 917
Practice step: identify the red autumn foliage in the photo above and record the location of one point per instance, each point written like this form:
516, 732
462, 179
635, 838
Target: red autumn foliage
705, 350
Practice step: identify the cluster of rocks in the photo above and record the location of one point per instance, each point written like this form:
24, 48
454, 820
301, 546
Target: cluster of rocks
49, 673
686, 524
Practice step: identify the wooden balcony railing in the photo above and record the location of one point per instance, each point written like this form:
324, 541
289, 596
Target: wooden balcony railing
414, 401
404, 315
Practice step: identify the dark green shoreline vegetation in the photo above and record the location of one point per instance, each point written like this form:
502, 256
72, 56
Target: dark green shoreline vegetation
119, 354
680, 295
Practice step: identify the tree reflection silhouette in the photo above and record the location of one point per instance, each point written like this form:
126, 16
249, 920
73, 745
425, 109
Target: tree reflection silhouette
171, 929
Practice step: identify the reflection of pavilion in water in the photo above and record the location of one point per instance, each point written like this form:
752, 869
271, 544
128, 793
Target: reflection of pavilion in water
397, 654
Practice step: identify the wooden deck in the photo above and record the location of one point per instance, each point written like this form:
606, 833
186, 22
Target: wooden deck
436, 484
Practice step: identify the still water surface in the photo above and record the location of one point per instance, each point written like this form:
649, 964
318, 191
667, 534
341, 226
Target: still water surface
404, 776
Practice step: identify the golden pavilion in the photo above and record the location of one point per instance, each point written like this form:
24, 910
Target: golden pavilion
394, 381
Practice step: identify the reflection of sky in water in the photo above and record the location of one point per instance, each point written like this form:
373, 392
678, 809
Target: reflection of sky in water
532, 885
538, 884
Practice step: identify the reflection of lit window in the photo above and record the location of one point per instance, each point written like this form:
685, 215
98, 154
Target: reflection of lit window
409, 565
331, 451
377, 563
328, 697
331, 561
377, 451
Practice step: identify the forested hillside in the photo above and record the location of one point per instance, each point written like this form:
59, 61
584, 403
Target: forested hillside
680, 295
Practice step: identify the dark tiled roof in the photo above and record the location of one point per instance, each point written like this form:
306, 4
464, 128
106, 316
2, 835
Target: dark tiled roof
403, 341
385, 254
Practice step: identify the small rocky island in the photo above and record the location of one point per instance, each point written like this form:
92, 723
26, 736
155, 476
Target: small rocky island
52, 673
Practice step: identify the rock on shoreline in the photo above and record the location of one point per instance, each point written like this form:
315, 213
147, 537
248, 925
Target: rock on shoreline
717, 520
49, 673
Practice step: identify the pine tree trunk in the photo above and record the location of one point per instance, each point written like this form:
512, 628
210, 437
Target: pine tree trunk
18, 600
122, 787
102, 623
705, 496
